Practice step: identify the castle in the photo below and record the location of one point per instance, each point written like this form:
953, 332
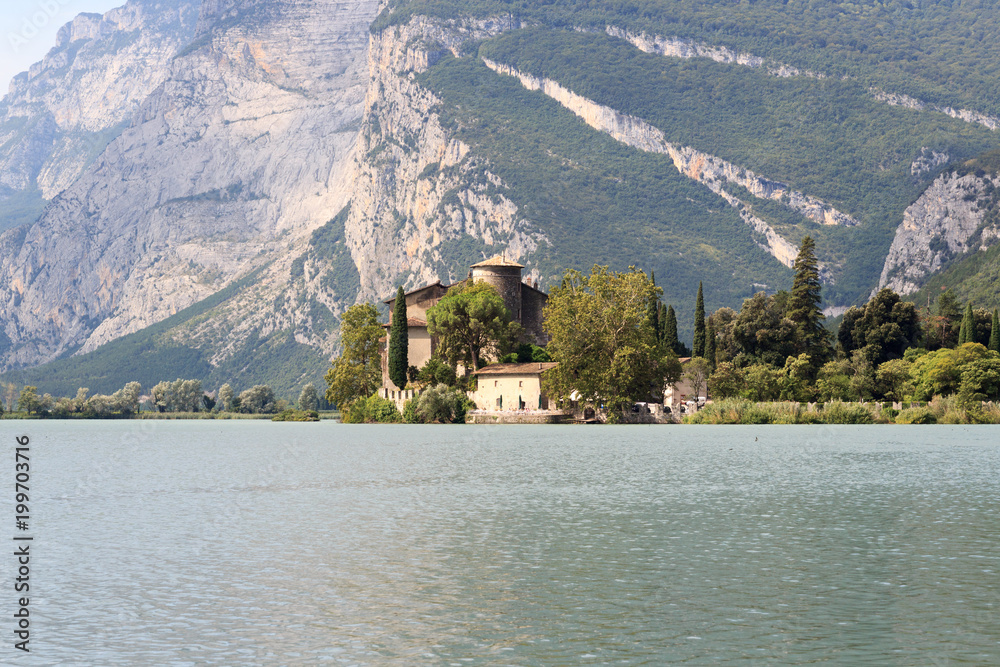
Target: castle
523, 301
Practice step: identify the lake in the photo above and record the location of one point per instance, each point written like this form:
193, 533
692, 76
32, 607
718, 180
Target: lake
236, 542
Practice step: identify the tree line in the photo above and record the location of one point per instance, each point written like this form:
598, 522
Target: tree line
616, 343
178, 396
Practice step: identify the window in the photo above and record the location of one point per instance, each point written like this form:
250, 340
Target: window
496, 383
520, 383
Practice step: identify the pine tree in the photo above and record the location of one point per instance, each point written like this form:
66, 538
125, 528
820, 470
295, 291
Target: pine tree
670, 331
995, 332
699, 324
803, 305
710, 345
967, 332
399, 341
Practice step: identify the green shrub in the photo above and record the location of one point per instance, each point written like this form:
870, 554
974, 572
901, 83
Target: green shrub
838, 412
372, 410
916, 416
441, 404
292, 415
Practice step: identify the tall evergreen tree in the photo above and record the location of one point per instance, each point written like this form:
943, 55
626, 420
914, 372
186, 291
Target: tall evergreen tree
661, 319
967, 332
399, 341
653, 311
803, 305
995, 332
699, 324
710, 345
670, 331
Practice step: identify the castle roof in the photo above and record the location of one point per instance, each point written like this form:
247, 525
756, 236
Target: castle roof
531, 368
420, 289
498, 260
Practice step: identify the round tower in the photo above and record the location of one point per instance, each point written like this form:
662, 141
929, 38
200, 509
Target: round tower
505, 276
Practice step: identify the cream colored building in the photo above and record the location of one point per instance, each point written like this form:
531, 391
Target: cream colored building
682, 390
511, 387
524, 301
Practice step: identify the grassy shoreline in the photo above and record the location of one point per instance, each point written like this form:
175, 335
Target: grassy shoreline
938, 411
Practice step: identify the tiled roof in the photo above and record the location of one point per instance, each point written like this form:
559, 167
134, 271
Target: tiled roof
516, 369
419, 289
498, 260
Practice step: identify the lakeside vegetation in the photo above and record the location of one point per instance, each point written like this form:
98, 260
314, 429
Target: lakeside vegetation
773, 361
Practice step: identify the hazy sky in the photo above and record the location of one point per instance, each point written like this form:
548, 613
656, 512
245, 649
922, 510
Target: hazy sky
28, 30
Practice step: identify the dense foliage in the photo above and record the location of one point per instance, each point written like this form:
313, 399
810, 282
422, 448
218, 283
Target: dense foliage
472, 324
357, 372
609, 355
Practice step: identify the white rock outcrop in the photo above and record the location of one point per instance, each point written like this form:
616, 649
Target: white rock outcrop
697, 165
947, 220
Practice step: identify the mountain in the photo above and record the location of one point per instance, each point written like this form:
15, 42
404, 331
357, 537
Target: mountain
284, 159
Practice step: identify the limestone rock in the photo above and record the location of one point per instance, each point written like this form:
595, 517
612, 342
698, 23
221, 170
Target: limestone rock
947, 220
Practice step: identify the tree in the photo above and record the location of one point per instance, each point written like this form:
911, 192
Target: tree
225, 397
9, 395
726, 381
357, 372
942, 328
967, 331
995, 333
710, 345
399, 341
471, 323
698, 349
761, 333
441, 404
308, 399
803, 305
257, 399
697, 372
669, 336
654, 307
436, 372
601, 337
29, 401
882, 329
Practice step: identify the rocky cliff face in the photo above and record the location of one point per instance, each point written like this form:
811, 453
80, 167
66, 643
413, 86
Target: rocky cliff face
948, 219
59, 115
417, 189
275, 117
235, 157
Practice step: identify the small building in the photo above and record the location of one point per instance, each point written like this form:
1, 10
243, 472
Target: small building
682, 391
507, 387
523, 301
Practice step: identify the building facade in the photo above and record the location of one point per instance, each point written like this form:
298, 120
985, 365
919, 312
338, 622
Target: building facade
523, 301
511, 387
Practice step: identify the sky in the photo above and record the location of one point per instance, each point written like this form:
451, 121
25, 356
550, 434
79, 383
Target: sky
28, 30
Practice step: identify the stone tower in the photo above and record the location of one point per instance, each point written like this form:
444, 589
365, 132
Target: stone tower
505, 276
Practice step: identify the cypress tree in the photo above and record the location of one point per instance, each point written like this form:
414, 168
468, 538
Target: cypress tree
699, 324
670, 331
653, 311
710, 345
967, 332
661, 319
995, 332
399, 341
803, 304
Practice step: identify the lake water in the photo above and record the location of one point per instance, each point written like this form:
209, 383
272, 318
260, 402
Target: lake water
280, 543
